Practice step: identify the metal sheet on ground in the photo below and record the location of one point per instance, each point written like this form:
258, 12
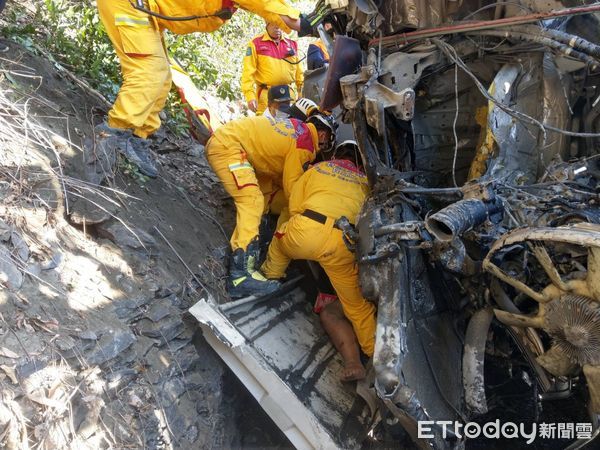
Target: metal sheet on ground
281, 354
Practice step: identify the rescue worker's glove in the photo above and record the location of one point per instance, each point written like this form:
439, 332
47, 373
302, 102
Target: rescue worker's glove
309, 22
349, 234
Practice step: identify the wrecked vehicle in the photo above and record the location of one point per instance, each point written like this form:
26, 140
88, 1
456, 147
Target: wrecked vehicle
478, 125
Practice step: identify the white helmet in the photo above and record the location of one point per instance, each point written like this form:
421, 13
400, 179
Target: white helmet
348, 146
303, 108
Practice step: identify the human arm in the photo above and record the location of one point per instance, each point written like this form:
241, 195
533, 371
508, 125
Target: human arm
274, 11
249, 68
288, 18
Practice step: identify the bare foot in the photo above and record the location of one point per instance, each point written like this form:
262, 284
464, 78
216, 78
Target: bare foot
353, 371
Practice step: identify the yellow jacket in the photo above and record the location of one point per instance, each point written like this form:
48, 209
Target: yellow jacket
321, 45
277, 149
270, 10
268, 64
333, 188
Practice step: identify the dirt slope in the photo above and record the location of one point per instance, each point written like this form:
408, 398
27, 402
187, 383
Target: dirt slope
96, 349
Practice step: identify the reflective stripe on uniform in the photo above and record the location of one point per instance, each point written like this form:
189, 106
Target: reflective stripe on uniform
124, 19
239, 166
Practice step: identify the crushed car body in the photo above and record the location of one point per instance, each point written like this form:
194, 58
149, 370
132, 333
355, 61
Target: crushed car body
477, 123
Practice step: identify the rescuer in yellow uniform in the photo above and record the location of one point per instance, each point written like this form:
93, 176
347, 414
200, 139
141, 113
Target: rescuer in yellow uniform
317, 55
247, 155
326, 192
271, 59
136, 35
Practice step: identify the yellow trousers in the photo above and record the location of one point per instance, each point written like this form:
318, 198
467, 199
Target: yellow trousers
275, 201
144, 67
253, 195
304, 238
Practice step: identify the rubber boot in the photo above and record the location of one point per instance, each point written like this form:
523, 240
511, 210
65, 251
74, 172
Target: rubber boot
116, 136
135, 149
100, 154
244, 280
140, 155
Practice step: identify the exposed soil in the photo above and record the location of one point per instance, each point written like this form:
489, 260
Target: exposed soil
96, 347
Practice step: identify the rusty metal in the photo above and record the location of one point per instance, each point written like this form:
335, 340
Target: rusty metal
406, 38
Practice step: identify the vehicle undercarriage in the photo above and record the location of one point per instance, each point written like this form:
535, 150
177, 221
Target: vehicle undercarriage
480, 242
478, 125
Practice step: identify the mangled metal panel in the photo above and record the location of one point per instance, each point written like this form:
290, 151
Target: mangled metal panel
518, 86
402, 14
527, 6
436, 120
557, 113
281, 354
534, 87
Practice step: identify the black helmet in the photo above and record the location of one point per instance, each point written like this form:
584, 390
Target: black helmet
325, 122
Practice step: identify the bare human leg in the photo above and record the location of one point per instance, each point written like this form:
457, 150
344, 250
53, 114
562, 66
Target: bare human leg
342, 335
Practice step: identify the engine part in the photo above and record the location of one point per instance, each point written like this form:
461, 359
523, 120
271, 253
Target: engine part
453, 256
569, 309
405, 38
402, 14
573, 321
365, 16
473, 379
460, 217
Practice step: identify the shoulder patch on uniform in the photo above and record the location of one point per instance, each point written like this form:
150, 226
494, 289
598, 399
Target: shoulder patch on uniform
249, 51
304, 138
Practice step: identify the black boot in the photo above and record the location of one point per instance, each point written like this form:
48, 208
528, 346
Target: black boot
138, 152
100, 153
135, 149
244, 280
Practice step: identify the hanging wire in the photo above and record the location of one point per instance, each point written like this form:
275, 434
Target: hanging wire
454, 126
493, 5
451, 53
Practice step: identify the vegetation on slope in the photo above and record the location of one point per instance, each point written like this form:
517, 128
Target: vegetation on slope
70, 31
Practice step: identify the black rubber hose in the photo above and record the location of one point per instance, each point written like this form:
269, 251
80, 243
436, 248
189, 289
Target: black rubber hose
460, 217
558, 46
570, 40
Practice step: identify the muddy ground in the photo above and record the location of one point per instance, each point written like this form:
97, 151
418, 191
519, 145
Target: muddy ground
96, 347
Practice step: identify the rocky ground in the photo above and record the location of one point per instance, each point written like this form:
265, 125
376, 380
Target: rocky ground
96, 347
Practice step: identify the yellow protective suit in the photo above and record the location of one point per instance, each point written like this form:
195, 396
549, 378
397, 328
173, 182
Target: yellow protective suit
332, 188
254, 155
137, 39
321, 45
267, 64
270, 10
